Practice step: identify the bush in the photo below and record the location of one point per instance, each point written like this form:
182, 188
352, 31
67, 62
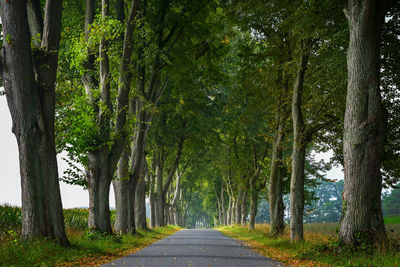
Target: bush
76, 218
10, 218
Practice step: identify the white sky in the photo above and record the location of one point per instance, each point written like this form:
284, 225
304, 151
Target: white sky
336, 173
10, 184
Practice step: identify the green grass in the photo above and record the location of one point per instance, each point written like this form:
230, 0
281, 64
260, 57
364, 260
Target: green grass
392, 220
85, 249
318, 249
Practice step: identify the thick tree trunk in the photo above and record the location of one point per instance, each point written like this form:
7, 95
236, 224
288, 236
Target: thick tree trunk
364, 126
244, 208
140, 204
121, 192
297, 194
253, 209
140, 201
275, 182
31, 100
99, 181
298, 154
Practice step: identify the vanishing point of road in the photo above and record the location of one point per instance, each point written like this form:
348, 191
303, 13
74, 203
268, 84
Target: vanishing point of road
195, 248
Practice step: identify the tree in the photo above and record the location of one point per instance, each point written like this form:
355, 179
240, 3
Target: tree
391, 203
103, 160
328, 206
95, 124
301, 139
364, 126
29, 72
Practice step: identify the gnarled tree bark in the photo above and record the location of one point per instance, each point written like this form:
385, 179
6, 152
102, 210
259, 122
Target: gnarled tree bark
364, 126
29, 82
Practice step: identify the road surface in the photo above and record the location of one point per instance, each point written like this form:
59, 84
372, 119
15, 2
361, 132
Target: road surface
195, 248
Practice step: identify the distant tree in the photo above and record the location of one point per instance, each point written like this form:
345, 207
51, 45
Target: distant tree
263, 215
328, 206
391, 203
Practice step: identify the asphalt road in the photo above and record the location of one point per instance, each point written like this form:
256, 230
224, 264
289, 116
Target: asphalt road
195, 248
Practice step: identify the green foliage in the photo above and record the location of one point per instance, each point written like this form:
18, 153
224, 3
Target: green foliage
263, 215
103, 236
80, 46
77, 133
77, 219
10, 218
390, 82
392, 220
328, 204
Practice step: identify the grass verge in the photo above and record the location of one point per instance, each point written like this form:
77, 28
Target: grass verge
86, 249
392, 220
318, 249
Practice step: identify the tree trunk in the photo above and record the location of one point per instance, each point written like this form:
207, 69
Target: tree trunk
103, 162
121, 192
124, 197
219, 206
152, 196
167, 219
364, 126
238, 208
99, 181
100, 171
140, 204
253, 209
140, 201
275, 183
160, 195
224, 217
233, 211
244, 208
31, 100
163, 189
229, 211
174, 203
298, 154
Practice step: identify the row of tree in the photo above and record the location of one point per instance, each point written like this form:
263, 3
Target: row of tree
202, 106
